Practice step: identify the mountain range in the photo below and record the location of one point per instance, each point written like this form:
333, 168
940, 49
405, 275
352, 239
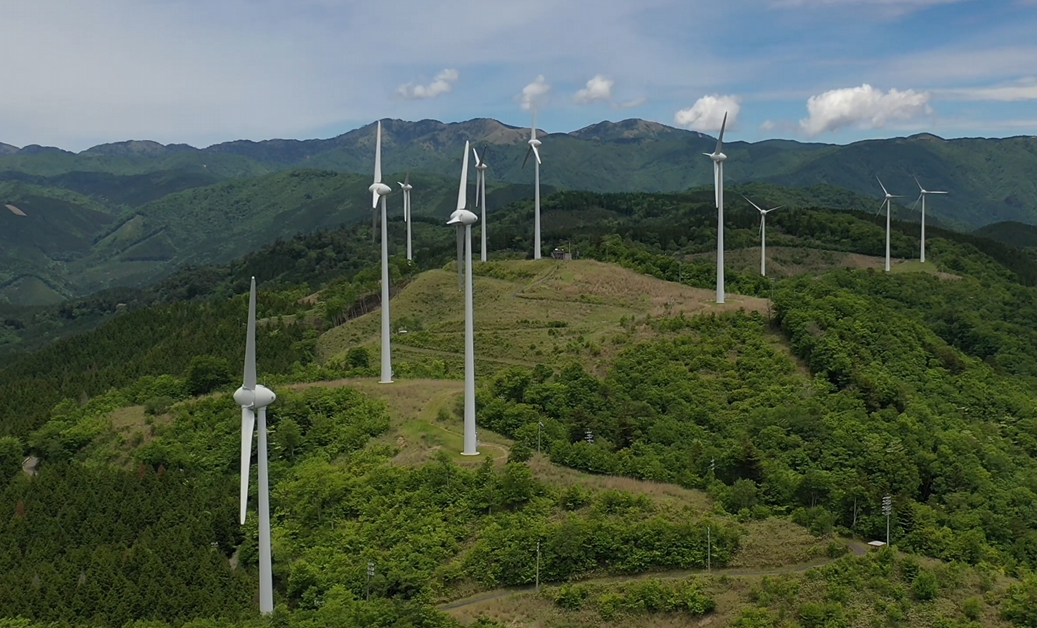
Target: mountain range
127, 213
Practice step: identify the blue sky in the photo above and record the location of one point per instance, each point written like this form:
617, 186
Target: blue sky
205, 71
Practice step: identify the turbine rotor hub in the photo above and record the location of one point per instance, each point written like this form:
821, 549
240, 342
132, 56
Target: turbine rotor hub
260, 397
380, 188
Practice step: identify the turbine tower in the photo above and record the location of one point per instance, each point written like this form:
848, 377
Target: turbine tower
533, 143
464, 218
480, 196
253, 399
406, 187
922, 193
379, 191
763, 234
718, 158
887, 202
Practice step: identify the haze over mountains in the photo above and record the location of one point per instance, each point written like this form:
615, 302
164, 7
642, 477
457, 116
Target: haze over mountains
128, 212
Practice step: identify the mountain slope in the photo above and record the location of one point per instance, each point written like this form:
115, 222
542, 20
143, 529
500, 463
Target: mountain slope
988, 179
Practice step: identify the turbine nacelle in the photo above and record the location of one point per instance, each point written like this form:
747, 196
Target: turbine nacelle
462, 217
259, 397
717, 157
534, 142
380, 189
406, 187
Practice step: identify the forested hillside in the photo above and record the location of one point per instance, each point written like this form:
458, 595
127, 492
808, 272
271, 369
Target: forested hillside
756, 439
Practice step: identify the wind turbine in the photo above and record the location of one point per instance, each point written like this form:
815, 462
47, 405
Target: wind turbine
407, 187
921, 196
718, 158
380, 190
464, 218
763, 234
533, 143
253, 399
480, 196
887, 202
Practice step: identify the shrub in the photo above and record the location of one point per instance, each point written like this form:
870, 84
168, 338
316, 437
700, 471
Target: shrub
520, 452
158, 405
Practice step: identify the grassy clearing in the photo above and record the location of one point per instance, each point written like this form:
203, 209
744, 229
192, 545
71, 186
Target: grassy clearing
526, 313
783, 262
131, 427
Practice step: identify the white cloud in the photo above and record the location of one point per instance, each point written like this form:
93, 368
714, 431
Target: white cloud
598, 88
1025, 89
767, 125
535, 93
443, 83
862, 107
636, 102
707, 114
887, 8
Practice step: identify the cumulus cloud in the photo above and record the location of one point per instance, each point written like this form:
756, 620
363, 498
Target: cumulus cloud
768, 125
707, 114
864, 107
535, 93
598, 88
443, 83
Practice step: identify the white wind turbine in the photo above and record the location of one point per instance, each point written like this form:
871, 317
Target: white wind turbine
253, 399
763, 233
718, 158
464, 218
480, 196
922, 193
887, 203
406, 187
533, 143
379, 191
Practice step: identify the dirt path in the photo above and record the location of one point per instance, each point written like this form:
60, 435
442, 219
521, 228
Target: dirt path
856, 548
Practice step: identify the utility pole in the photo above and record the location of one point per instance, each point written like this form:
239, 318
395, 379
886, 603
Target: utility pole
887, 509
538, 567
540, 426
709, 549
370, 574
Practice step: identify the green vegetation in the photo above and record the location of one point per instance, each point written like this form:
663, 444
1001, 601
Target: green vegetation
674, 433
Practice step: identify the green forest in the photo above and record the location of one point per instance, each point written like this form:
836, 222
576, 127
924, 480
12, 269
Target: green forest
668, 468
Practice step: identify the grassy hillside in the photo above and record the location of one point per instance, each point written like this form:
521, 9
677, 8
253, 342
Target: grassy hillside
772, 427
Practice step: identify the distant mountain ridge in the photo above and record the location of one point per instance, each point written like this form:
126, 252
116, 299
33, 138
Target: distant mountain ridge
989, 179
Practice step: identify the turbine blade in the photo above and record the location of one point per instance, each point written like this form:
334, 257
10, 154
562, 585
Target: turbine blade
250, 341
476, 153
533, 129
915, 204
527, 156
537, 153
460, 248
462, 192
773, 208
934, 192
378, 155
406, 179
716, 184
920, 188
881, 186
248, 425
720, 138
374, 199
485, 154
750, 202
